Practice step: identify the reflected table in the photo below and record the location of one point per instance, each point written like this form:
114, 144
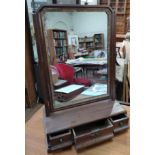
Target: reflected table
88, 64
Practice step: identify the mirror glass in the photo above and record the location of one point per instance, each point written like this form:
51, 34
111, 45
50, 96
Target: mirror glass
78, 52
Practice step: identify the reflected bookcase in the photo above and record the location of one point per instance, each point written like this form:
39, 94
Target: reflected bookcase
58, 41
122, 10
86, 42
94, 42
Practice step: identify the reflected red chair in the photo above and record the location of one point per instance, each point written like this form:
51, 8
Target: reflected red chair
67, 72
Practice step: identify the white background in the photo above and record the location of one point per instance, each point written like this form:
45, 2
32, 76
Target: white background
12, 77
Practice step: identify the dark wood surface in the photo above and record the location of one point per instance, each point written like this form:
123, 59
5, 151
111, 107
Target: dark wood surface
70, 118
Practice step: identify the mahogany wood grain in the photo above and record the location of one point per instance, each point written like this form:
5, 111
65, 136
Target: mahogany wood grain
85, 118
61, 120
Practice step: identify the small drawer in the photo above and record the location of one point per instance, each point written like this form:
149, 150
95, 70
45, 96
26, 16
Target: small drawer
59, 140
120, 122
92, 133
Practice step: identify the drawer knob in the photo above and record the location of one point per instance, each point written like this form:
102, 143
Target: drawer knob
61, 140
121, 123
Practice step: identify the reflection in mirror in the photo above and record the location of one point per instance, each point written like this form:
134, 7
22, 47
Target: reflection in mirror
77, 50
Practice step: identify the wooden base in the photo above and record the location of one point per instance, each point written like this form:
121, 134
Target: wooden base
85, 125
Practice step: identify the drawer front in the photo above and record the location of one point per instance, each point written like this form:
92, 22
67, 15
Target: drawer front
120, 124
61, 146
60, 139
94, 141
93, 137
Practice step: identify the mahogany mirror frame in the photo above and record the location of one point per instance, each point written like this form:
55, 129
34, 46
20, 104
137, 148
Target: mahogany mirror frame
43, 62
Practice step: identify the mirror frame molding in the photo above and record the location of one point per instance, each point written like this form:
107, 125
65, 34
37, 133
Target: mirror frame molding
43, 62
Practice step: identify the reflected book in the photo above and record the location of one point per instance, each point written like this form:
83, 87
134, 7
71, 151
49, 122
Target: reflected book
96, 90
69, 89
